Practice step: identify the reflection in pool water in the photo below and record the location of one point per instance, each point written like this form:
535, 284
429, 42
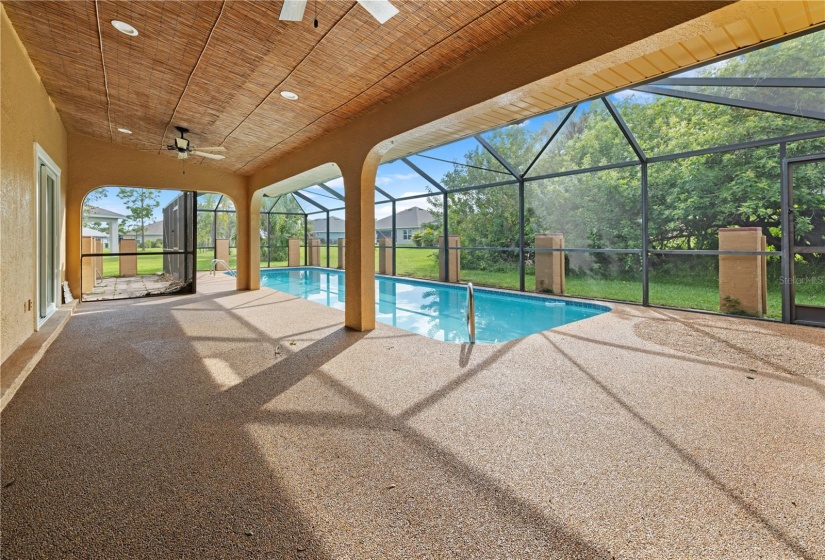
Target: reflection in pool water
435, 309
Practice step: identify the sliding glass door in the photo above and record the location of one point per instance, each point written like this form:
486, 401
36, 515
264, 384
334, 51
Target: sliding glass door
48, 252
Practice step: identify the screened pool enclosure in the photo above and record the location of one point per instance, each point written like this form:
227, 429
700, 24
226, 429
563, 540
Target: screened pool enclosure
703, 191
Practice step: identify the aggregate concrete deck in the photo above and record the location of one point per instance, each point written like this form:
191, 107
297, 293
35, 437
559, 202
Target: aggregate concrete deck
252, 425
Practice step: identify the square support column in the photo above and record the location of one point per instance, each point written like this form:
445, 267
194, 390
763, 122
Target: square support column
314, 252
128, 265
342, 252
113, 237
293, 252
87, 270
385, 256
550, 266
359, 171
454, 242
222, 250
742, 278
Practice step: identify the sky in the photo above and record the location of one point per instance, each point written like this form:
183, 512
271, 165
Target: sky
113, 203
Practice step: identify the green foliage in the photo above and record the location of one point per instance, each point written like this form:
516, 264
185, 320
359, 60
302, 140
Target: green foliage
216, 219
141, 204
427, 237
689, 199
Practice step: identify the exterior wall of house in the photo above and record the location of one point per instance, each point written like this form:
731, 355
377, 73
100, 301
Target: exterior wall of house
333, 236
28, 116
403, 236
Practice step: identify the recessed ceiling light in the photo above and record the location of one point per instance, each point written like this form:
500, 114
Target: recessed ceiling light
124, 130
124, 27
289, 95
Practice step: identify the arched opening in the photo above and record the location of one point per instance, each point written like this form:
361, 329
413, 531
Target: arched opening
217, 232
137, 242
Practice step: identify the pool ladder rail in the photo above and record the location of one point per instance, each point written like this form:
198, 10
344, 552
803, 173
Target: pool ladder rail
214, 266
471, 313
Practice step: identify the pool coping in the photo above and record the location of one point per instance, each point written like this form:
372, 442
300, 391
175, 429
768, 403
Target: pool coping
574, 302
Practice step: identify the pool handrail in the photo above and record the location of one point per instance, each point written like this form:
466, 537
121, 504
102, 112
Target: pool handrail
471, 313
214, 267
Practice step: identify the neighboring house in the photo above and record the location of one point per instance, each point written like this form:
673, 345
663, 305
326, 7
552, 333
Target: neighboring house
407, 222
94, 214
151, 233
336, 229
89, 232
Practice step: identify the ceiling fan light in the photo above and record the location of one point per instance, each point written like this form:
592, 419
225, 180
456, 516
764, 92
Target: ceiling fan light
289, 95
182, 143
124, 28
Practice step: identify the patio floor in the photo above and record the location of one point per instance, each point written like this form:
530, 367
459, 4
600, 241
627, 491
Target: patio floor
117, 287
252, 425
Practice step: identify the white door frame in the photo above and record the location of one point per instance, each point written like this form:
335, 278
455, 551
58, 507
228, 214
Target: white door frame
42, 158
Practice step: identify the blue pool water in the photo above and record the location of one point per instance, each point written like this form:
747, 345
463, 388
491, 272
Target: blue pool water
435, 309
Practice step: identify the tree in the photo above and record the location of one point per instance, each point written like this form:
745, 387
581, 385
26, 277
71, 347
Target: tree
690, 198
141, 204
91, 201
283, 220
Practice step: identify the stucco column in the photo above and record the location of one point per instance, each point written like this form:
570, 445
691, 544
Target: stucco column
74, 225
253, 246
359, 186
113, 241
247, 228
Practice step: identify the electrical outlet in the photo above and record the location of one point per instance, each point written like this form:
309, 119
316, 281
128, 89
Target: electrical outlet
30, 305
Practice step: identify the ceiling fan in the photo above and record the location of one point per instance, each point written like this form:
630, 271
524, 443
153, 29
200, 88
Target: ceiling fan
184, 147
382, 10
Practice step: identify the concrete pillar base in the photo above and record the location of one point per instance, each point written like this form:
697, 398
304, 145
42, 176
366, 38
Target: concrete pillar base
385, 257
342, 251
222, 250
294, 252
314, 252
742, 279
128, 265
550, 266
454, 259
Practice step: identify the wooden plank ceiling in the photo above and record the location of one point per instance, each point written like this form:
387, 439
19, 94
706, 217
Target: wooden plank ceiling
218, 68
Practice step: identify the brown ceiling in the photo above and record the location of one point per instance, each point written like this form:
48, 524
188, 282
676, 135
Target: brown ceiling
217, 68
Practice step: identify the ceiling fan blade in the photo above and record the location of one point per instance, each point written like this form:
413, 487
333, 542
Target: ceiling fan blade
212, 149
293, 10
381, 10
210, 156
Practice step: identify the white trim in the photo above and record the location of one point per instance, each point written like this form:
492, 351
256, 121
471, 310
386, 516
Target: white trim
42, 158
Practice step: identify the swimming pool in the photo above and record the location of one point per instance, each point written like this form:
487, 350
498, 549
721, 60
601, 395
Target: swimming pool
435, 309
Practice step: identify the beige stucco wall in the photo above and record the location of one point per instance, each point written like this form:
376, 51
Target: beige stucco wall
28, 116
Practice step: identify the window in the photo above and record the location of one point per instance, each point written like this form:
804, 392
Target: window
406, 234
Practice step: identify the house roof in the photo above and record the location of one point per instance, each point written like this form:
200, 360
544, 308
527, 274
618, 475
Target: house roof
336, 225
155, 228
97, 212
89, 232
409, 218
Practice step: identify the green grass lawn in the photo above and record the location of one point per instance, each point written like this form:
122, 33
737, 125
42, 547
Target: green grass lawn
695, 288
